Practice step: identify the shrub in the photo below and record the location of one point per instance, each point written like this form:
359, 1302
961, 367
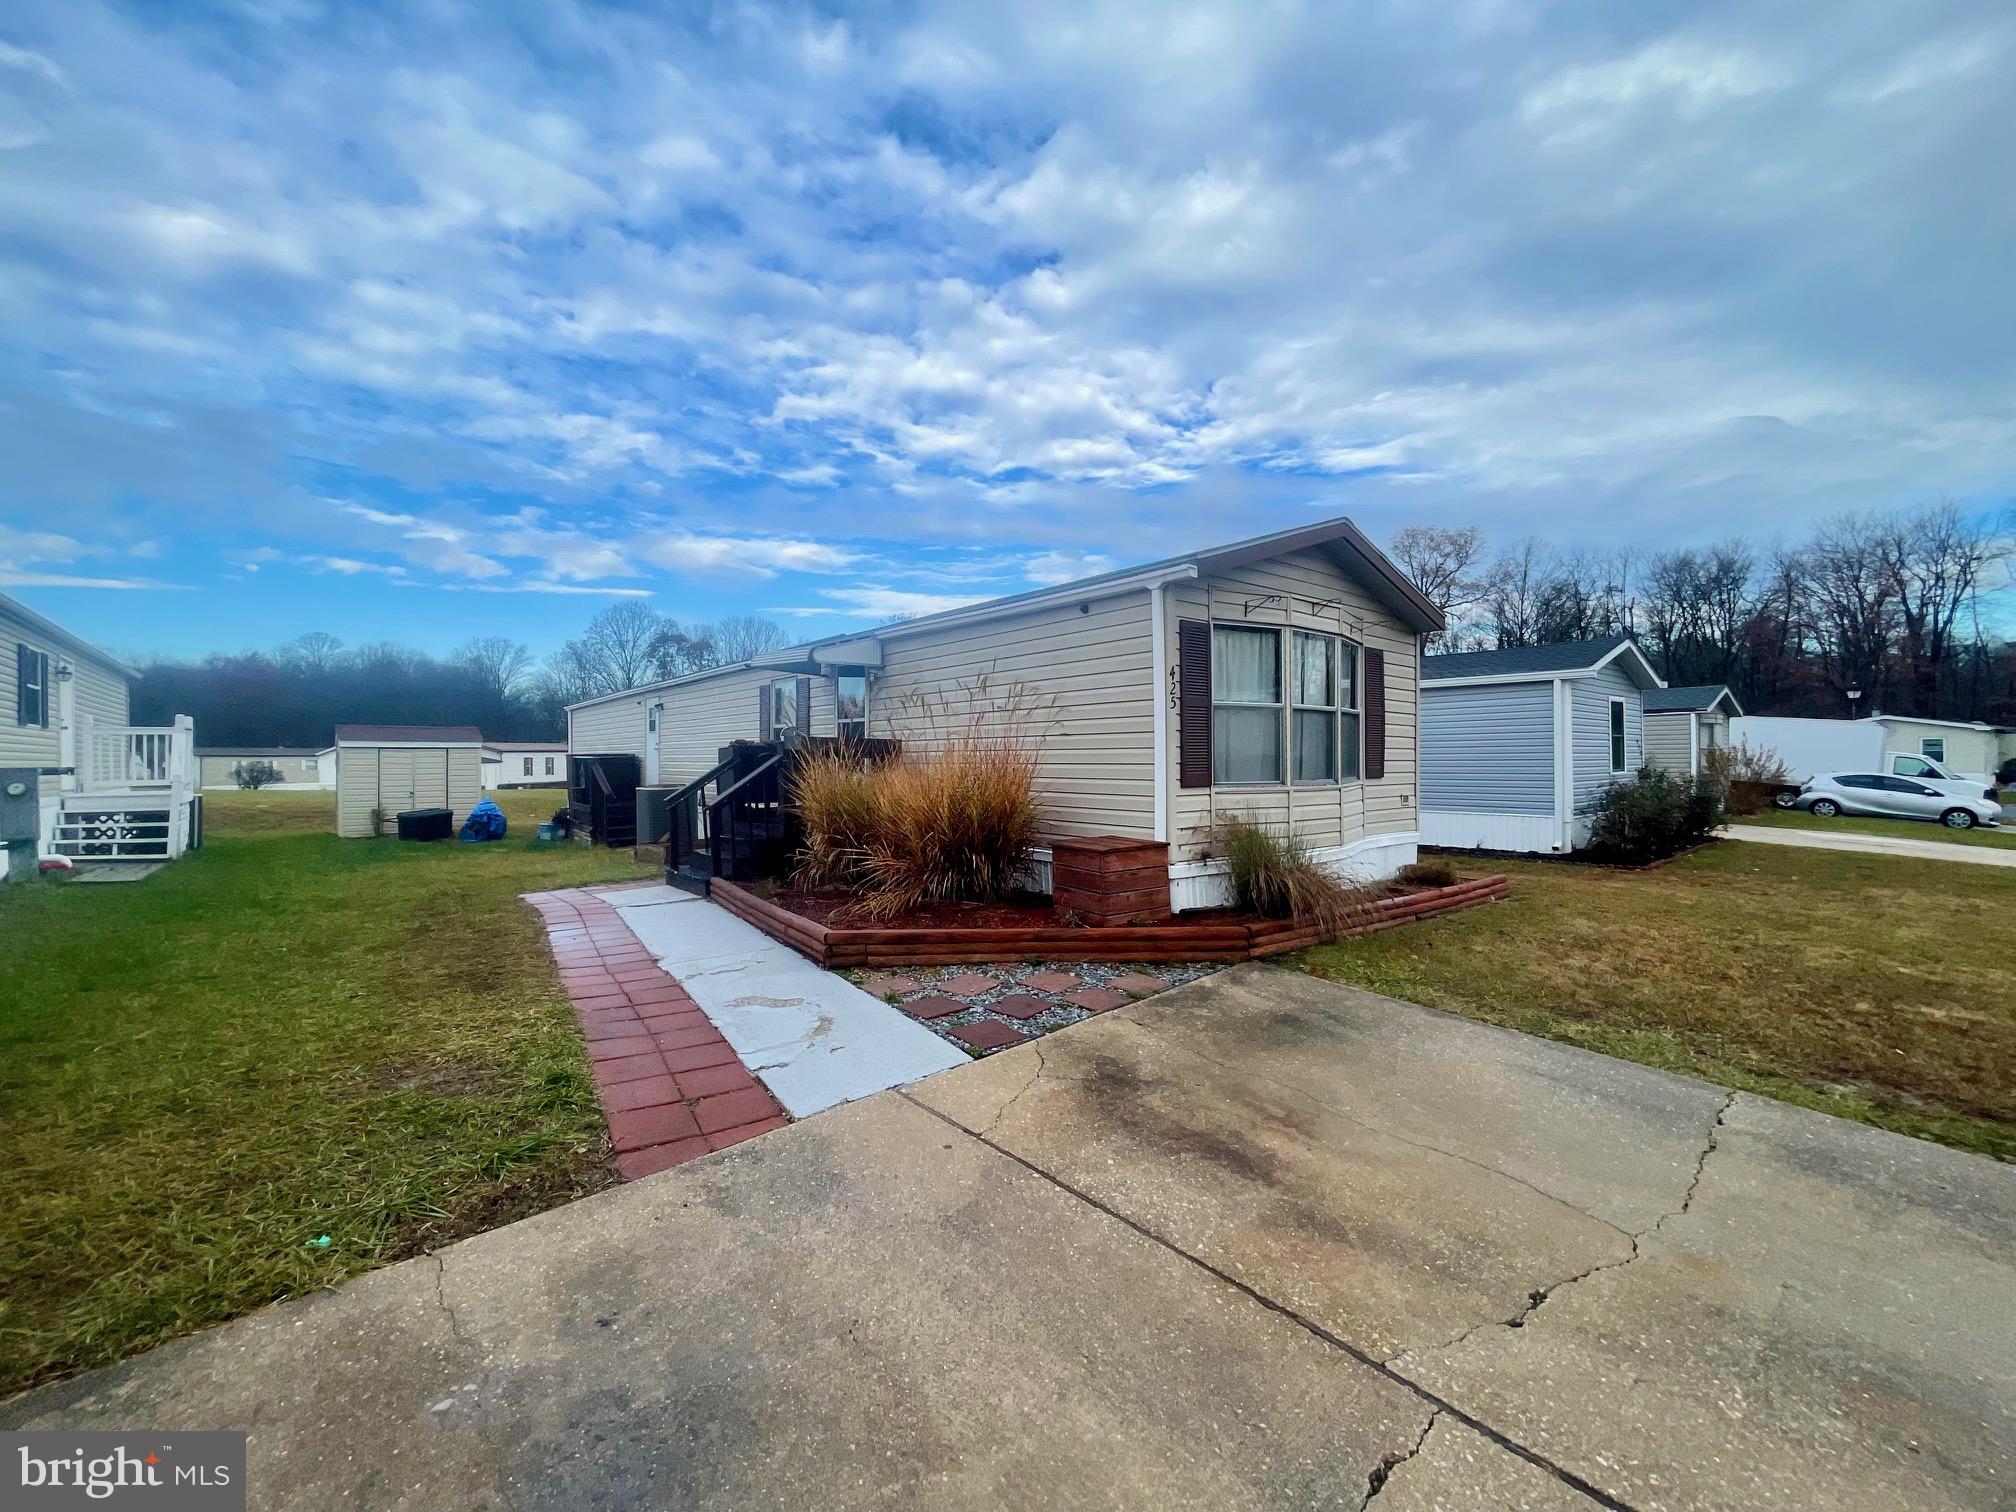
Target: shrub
1746, 776
1274, 876
1427, 874
1657, 816
954, 819
254, 775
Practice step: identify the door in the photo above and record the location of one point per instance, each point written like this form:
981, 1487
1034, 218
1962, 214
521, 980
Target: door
396, 780
430, 779
651, 718
1860, 793
1914, 800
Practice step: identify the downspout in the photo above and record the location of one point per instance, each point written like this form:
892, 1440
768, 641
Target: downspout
1160, 687
1564, 765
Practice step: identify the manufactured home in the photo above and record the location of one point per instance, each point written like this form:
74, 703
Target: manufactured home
93, 787
1682, 725
1892, 743
1518, 745
301, 769
1274, 678
525, 763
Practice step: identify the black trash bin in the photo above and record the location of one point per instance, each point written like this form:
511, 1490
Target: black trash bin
427, 824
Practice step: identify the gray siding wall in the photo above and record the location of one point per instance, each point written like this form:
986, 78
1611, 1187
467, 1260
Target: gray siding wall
1488, 749
1667, 742
610, 728
1339, 814
1591, 702
701, 717
217, 770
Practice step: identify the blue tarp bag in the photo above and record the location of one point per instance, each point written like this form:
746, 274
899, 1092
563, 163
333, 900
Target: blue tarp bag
485, 822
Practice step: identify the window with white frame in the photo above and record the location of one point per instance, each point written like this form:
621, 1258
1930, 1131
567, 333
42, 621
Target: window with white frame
31, 687
528, 767
1933, 748
1245, 705
783, 708
549, 766
850, 696
1619, 754
1323, 723
311, 766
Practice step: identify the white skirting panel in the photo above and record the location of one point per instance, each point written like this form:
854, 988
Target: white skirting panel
1207, 884
1479, 830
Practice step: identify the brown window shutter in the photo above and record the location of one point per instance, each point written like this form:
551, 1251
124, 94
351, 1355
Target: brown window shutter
1193, 703
1375, 714
803, 705
763, 711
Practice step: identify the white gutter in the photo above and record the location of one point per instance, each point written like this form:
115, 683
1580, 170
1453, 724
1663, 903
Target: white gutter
1564, 763
1158, 640
1067, 593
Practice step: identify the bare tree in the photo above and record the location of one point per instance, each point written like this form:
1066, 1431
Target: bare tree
622, 647
1852, 588
1446, 565
499, 664
1515, 594
1936, 558
743, 636
317, 651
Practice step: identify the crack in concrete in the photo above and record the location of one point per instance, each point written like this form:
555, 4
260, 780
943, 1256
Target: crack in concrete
1042, 1067
1383, 1471
441, 1298
1441, 1405
1538, 1298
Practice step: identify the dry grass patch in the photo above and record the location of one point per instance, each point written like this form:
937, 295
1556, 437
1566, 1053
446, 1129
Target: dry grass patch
1869, 987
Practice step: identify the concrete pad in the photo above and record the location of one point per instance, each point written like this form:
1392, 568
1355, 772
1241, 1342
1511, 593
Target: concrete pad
627, 898
867, 1310
815, 1039
1875, 845
1457, 1469
1269, 1125
1831, 1324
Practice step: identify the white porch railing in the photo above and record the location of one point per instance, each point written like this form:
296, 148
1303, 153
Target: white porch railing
135, 758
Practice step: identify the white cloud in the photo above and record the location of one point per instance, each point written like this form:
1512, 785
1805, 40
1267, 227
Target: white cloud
878, 604
1049, 567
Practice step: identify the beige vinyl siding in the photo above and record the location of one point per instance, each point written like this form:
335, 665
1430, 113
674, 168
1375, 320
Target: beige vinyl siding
701, 717
1966, 750
1091, 676
1668, 741
98, 689
356, 790
1322, 816
613, 727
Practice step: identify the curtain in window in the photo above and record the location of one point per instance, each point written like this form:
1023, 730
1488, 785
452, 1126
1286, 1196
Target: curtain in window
1315, 745
1315, 681
1246, 745
1349, 742
1245, 666
1245, 670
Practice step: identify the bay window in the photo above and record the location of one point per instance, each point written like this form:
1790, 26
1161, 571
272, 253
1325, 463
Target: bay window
1266, 727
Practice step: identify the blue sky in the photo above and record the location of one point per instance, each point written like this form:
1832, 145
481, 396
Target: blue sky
437, 320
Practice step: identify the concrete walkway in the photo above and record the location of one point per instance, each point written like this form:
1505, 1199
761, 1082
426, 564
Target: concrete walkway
1875, 845
1258, 1242
813, 1038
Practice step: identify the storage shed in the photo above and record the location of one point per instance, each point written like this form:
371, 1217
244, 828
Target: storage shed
1517, 745
1682, 725
393, 768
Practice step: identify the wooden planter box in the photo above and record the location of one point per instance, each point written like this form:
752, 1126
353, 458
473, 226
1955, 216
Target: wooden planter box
1214, 939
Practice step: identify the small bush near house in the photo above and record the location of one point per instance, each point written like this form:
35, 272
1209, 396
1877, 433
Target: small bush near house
1274, 876
1745, 775
951, 820
1657, 816
1426, 874
254, 775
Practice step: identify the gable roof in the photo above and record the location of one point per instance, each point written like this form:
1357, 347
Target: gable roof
370, 734
259, 750
1698, 700
1538, 663
15, 609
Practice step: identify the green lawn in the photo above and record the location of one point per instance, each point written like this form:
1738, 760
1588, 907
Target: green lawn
1870, 987
284, 1036
1908, 829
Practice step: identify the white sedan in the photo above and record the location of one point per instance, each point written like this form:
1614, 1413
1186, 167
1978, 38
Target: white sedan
1830, 793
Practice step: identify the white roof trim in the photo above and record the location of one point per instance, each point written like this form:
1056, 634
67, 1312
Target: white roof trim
1632, 647
1944, 724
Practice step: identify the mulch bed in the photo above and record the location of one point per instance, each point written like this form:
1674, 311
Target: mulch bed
822, 907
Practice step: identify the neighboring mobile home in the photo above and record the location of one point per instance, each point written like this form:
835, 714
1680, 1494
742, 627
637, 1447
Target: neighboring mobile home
1890, 743
301, 770
385, 770
525, 763
1516, 746
1682, 725
1274, 677
95, 788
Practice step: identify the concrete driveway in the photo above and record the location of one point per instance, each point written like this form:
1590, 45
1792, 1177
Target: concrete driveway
1258, 1242
1875, 845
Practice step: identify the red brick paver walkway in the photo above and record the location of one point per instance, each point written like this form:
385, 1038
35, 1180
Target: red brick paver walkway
671, 1086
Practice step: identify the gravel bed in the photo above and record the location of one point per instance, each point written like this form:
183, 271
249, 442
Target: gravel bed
1012, 978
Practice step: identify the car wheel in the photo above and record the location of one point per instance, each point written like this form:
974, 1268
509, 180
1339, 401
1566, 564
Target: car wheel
1957, 819
1824, 808
1785, 800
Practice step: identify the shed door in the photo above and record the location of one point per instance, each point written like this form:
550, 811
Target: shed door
430, 779
396, 780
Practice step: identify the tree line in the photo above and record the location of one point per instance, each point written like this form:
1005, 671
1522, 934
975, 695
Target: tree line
295, 694
1899, 606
